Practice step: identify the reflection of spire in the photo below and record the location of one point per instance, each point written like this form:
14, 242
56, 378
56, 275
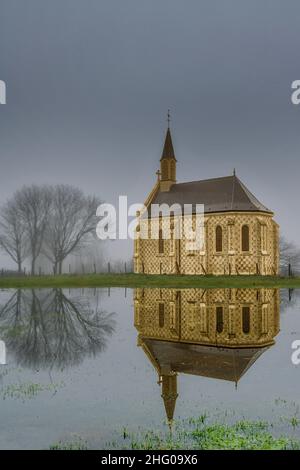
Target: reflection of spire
169, 395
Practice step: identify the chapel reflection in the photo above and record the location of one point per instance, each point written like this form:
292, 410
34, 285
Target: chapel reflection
216, 333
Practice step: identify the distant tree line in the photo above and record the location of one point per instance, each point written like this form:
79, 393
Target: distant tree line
53, 221
289, 257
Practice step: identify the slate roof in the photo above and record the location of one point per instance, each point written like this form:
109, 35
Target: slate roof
207, 361
223, 194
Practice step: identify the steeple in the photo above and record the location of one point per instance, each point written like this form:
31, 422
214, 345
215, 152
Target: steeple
169, 394
168, 150
168, 162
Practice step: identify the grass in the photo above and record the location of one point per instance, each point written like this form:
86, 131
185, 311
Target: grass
240, 436
197, 434
77, 444
147, 280
26, 391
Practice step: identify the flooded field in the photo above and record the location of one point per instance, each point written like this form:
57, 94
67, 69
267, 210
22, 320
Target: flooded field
88, 364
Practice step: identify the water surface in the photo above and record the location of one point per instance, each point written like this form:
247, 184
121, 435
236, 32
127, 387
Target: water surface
90, 362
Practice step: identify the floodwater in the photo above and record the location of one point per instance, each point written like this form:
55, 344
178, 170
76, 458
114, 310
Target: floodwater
88, 363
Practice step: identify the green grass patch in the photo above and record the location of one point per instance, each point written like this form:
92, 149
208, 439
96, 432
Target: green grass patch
76, 444
147, 280
199, 435
26, 391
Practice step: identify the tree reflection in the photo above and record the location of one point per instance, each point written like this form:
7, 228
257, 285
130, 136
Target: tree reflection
45, 328
289, 298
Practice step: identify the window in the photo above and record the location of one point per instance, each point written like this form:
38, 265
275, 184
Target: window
219, 319
264, 319
219, 238
161, 315
245, 238
172, 316
161, 246
246, 320
231, 321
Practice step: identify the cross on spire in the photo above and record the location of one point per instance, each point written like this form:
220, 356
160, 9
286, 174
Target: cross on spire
168, 118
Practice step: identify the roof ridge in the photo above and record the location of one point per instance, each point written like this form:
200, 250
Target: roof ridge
207, 179
222, 194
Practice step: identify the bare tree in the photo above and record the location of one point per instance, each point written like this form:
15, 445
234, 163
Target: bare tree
49, 221
72, 223
34, 203
289, 256
13, 239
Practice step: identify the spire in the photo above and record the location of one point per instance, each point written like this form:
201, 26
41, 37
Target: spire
168, 150
168, 162
169, 395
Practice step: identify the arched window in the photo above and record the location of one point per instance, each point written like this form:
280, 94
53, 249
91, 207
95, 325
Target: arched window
246, 320
245, 238
219, 319
161, 315
219, 238
161, 246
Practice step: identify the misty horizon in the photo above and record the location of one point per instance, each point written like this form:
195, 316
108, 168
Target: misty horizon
89, 86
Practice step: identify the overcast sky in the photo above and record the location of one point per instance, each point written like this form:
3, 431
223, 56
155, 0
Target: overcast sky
89, 83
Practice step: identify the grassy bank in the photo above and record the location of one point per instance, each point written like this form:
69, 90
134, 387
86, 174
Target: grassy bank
144, 280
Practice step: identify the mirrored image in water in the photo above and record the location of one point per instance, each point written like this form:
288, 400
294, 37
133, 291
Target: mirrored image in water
91, 363
211, 333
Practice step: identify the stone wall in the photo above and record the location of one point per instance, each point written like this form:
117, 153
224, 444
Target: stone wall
191, 315
261, 258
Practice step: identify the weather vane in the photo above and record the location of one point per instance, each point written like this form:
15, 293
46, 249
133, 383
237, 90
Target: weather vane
168, 118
